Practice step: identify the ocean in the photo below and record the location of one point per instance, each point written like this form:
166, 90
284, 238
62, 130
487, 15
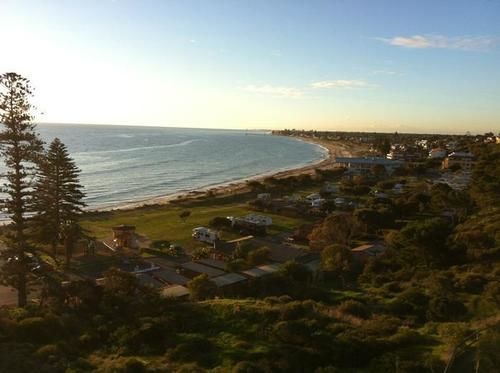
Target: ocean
122, 164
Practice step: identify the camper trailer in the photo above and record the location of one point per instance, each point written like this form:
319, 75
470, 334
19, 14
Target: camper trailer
205, 235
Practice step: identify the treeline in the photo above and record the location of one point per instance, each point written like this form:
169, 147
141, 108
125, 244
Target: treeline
42, 195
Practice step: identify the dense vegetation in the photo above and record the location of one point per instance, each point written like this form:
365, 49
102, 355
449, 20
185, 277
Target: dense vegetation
429, 303
431, 299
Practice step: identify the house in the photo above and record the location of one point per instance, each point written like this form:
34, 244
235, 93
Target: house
282, 253
380, 195
398, 188
339, 201
175, 291
313, 196
364, 165
365, 252
193, 269
124, 236
329, 188
264, 196
147, 280
228, 279
223, 250
318, 202
251, 222
463, 159
205, 235
170, 276
262, 270
219, 264
437, 153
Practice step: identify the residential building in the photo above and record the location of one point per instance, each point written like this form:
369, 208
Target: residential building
362, 165
463, 159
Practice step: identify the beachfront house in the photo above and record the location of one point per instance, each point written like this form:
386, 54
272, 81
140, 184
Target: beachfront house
252, 223
365, 165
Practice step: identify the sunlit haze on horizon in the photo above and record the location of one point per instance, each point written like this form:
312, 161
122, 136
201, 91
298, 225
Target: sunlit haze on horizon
422, 66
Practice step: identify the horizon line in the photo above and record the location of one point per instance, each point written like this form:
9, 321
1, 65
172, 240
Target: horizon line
262, 129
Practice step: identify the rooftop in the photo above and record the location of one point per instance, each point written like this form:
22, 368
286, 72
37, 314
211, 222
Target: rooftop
367, 160
220, 264
228, 279
200, 268
171, 277
175, 291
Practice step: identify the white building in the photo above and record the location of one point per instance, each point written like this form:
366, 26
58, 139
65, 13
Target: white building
462, 159
252, 219
366, 164
205, 235
437, 153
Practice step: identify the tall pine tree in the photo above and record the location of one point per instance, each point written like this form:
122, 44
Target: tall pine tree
19, 147
58, 199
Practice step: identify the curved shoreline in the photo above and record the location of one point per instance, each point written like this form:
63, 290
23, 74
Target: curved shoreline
331, 149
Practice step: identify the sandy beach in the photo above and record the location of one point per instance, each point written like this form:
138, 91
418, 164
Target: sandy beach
334, 148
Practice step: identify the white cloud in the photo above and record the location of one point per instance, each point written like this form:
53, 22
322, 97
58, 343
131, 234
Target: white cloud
466, 43
276, 91
341, 84
385, 72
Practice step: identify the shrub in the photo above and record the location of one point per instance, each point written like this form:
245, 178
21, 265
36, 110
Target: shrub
160, 244
472, 283
392, 287
220, 222
258, 256
354, 308
443, 309
48, 350
247, 367
492, 291
201, 288
195, 348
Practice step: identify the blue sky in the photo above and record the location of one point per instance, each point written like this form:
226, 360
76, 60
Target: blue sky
408, 66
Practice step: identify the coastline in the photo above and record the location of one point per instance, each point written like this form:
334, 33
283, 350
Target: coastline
332, 149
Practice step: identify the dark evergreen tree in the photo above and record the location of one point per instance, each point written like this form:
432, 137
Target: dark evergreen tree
19, 147
58, 199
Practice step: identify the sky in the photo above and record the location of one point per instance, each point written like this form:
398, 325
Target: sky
347, 65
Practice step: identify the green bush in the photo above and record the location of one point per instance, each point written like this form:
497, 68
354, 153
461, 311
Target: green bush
442, 308
354, 308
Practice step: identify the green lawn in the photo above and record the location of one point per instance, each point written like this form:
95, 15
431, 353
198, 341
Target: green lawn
163, 222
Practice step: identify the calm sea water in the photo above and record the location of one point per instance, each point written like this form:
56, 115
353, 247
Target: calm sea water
124, 164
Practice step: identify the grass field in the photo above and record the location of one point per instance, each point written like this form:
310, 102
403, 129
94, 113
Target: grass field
163, 222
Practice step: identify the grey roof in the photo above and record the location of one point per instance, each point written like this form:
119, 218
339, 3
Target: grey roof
146, 279
254, 272
262, 270
175, 291
270, 268
200, 268
283, 253
171, 277
228, 279
368, 160
220, 264
314, 265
